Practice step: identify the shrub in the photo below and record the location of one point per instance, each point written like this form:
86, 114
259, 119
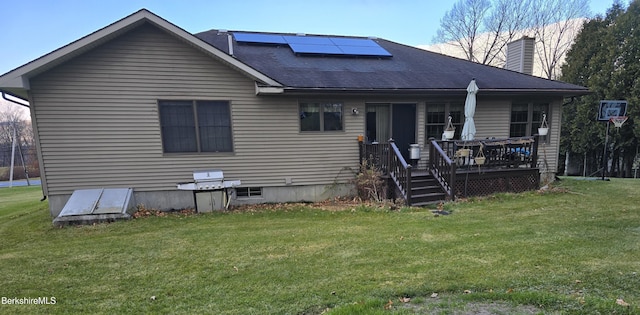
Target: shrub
369, 183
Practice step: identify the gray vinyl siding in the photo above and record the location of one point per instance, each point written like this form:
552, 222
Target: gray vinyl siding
98, 121
553, 147
520, 54
492, 118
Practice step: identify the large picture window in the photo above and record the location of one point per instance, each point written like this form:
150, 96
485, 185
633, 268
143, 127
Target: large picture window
321, 117
526, 118
195, 126
438, 115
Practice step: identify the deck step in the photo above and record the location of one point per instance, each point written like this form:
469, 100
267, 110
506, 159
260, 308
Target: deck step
425, 190
431, 197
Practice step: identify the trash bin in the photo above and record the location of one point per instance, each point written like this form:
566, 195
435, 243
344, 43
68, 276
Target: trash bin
414, 151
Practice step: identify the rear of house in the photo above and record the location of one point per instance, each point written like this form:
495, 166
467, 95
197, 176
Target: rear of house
143, 104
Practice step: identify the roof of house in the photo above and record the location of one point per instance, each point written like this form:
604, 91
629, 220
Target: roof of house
276, 68
409, 69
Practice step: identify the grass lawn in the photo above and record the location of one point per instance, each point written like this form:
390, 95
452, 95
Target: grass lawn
574, 249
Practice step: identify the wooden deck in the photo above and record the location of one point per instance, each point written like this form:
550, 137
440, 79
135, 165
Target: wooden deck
511, 166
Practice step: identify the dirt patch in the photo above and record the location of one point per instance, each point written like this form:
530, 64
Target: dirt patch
143, 212
336, 204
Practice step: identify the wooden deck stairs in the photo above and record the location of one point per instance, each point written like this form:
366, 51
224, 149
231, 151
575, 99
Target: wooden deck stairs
425, 190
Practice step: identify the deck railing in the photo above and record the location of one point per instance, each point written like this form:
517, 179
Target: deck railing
386, 157
442, 167
446, 159
400, 172
498, 153
375, 155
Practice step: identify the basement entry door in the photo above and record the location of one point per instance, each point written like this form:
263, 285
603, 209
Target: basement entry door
91, 205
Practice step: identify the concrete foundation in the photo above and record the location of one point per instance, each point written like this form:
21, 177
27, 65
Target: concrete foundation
181, 199
310, 193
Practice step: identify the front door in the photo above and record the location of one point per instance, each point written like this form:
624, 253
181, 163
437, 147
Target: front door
403, 127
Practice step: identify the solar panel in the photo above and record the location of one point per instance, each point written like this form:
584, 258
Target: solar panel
315, 49
318, 44
364, 51
308, 40
342, 41
259, 38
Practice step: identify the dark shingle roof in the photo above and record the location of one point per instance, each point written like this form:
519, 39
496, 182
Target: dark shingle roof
410, 69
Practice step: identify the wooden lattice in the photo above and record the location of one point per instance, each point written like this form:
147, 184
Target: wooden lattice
479, 184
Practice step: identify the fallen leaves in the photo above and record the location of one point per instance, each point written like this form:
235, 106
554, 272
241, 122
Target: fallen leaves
389, 305
621, 302
404, 299
143, 212
434, 295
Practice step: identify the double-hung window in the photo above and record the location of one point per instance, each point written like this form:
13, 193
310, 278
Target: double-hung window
526, 118
195, 126
322, 116
438, 117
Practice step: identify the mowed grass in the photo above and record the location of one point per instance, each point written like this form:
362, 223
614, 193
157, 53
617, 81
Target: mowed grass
573, 249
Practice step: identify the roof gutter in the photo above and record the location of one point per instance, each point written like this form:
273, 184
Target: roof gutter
4, 96
270, 90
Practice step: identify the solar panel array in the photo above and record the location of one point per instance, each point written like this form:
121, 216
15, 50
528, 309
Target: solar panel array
317, 44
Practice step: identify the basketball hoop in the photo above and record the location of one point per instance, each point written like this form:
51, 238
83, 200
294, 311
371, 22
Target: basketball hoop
618, 120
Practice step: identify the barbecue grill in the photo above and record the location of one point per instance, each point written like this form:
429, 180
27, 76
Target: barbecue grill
210, 190
208, 180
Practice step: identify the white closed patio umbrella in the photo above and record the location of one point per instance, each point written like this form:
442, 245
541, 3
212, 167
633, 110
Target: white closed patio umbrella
469, 128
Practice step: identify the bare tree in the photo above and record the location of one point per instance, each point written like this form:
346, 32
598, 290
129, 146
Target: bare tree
462, 24
504, 23
13, 117
481, 29
556, 24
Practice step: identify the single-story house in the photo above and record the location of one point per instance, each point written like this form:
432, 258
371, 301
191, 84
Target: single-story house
142, 103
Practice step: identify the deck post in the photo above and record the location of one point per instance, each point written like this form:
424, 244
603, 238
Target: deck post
360, 151
431, 154
408, 185
534, 157
452, 181
390, 166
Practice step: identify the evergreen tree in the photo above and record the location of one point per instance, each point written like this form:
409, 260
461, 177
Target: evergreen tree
605, 58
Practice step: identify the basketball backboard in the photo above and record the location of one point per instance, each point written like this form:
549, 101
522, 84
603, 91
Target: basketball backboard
610, 109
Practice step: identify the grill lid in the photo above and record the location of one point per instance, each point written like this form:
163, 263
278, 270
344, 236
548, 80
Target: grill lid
208, 176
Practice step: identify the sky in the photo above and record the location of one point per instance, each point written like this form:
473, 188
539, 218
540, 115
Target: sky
30, 29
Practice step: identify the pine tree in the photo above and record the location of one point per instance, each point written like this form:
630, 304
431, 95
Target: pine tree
604, 58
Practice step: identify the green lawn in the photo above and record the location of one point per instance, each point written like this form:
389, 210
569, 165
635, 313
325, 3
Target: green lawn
575, 249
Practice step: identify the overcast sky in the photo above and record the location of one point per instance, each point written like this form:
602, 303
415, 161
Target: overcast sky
32, 28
